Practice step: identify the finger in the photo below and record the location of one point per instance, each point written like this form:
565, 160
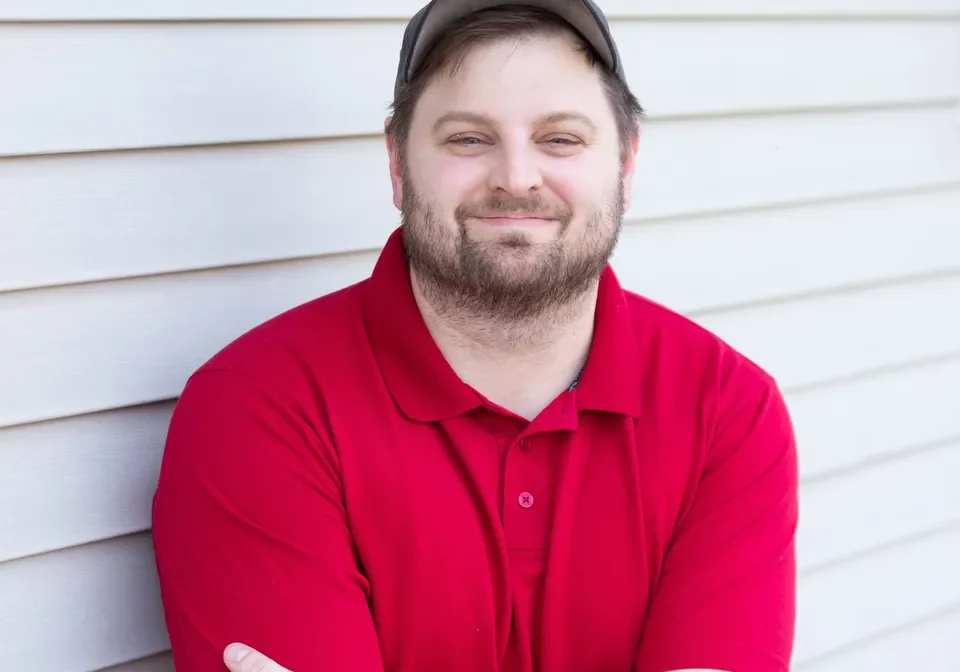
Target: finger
242, 658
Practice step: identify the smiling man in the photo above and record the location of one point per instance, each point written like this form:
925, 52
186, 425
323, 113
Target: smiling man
488, 455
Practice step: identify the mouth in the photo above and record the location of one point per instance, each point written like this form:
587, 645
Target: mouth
516, 219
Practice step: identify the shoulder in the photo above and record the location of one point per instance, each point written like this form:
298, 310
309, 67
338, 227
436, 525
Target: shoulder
296, 345
688, 351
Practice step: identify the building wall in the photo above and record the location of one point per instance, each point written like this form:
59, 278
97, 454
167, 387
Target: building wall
174, 172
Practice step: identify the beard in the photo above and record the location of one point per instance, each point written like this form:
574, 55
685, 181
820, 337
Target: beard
509, 279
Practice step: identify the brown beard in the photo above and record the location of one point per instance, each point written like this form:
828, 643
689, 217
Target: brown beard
460, 275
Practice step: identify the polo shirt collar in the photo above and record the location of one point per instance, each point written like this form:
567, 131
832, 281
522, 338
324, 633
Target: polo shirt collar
611, 380
426, 387
421, 381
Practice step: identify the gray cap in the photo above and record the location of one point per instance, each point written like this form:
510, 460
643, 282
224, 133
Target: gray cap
436, 18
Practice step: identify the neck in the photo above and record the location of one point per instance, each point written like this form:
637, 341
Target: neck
521, 365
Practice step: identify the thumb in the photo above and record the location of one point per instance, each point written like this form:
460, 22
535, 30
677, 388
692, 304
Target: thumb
242, 658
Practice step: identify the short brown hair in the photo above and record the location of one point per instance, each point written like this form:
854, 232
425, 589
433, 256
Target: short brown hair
495, 24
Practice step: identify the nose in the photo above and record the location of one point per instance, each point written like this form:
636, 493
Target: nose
516, 169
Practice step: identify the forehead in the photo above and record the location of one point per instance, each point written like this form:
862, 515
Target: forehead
525, 77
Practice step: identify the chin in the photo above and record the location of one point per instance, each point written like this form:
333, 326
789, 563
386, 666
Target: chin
518, 266
514, 234
521, 241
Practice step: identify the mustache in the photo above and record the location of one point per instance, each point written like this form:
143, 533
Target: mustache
500, 206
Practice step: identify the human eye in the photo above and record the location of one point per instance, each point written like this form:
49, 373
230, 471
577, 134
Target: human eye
562, 144
467, 140
563, 141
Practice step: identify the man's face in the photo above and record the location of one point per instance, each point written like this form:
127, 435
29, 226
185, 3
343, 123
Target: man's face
512, 187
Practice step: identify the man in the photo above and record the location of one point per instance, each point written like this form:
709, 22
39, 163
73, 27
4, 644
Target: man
486, 456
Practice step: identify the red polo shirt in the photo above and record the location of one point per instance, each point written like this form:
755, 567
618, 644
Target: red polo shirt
334, 495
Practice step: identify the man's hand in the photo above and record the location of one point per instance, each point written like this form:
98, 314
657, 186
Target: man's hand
242, 658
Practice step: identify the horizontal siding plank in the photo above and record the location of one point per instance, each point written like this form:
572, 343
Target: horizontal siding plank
767, 254
852, 601
115, 580
155, 212
91, 347
823, 338
133, 342
334, 9
686, 167
88, 217
159, 663
99, 473
99, 603
95, 87
876, 505
846, 424
929, 645
102, 468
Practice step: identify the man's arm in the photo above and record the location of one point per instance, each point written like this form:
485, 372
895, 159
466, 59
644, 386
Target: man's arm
242, 658
726, 595
251, 536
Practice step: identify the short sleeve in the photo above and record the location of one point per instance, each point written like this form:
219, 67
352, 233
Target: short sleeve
251, 538
725, 599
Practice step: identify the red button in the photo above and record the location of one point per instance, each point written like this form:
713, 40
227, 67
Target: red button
525, 499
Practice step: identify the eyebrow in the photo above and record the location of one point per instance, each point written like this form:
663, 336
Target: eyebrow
468, 117
484, 120
557, 117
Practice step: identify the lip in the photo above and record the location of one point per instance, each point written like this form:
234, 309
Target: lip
510, 220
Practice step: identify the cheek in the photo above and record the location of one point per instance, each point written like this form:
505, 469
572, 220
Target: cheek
583, 186
448, 181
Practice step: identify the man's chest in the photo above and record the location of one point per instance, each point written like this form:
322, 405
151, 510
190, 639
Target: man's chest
447, 516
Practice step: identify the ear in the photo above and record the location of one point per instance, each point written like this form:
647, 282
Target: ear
396, 175
629, 169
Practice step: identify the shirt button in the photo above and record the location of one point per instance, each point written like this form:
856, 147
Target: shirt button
525, 499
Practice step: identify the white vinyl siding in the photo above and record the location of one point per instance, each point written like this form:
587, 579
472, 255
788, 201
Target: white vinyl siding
174, 172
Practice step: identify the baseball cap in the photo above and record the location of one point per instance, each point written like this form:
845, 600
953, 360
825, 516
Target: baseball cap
439, 15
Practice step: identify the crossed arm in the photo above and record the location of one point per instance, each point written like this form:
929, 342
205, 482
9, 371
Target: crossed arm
242, 658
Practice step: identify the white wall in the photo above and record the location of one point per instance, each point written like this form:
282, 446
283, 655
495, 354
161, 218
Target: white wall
176, 171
